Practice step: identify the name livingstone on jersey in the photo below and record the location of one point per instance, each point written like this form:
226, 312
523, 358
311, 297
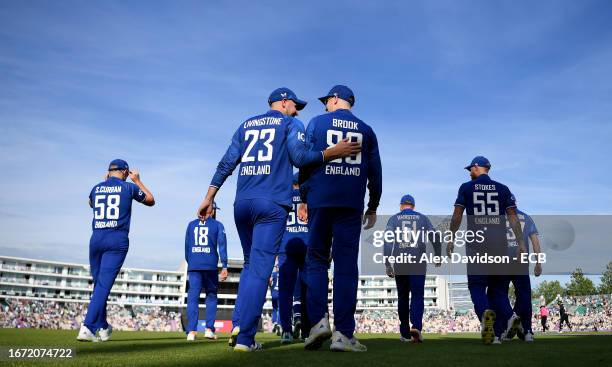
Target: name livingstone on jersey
264, 121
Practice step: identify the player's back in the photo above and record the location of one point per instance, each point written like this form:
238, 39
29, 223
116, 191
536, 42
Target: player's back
112, 204
261, 145
340, 182
201, 244
416, 225
485, 202
296, 228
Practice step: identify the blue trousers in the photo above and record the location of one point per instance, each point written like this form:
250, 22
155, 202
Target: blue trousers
207, 280
261, 224
410, 302
334, 230
491, 292
291, 265
107, 251
275, 313
522, 305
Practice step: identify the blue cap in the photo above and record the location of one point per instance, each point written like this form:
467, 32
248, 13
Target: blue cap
407, 199
296, 178
340, 91
118, 165
479, 161
286, 93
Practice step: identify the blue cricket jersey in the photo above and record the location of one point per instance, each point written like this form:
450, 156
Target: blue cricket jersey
342, 182
266, 147
485, 202
527, 226
296, 229
112, 204
202, 239
421, 232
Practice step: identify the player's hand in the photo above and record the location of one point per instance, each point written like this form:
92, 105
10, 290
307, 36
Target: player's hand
223, 274
205, 210
537, 271
390, 272
369, 219
450, 247
522, 249
344, 148
134, 175
303, 212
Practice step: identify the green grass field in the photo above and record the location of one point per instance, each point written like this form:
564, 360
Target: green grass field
164, 349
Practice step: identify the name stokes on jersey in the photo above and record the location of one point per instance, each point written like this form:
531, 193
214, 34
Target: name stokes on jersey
333, 138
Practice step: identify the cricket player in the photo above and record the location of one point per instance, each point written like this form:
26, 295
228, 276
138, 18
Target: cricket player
521, 281
205, 243
410, 277
291, 256
486, 201
265, 147
334, 194
111, 201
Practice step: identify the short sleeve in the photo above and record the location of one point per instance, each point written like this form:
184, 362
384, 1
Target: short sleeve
460, 201
509, 200
137, 193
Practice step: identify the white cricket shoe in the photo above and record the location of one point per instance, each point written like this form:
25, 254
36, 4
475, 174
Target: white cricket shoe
191, 336
529, 337
85, 335
233, 336
340, 343
255, 347
105, 334
416, 335
496, 340
512, 328
405, 340
209, 334
318, 334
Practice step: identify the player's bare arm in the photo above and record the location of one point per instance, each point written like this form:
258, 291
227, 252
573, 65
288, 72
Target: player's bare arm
135, 177
454, 227
535, 243
516, 228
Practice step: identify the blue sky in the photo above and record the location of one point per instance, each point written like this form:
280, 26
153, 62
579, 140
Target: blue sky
164, 84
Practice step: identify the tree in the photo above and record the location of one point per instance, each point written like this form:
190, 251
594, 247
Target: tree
606, 280
549, 289
579, 285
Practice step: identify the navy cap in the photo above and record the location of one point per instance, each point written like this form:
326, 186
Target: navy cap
296, 178
340, 91
286, 93
118, 165
479, 161
407, 199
